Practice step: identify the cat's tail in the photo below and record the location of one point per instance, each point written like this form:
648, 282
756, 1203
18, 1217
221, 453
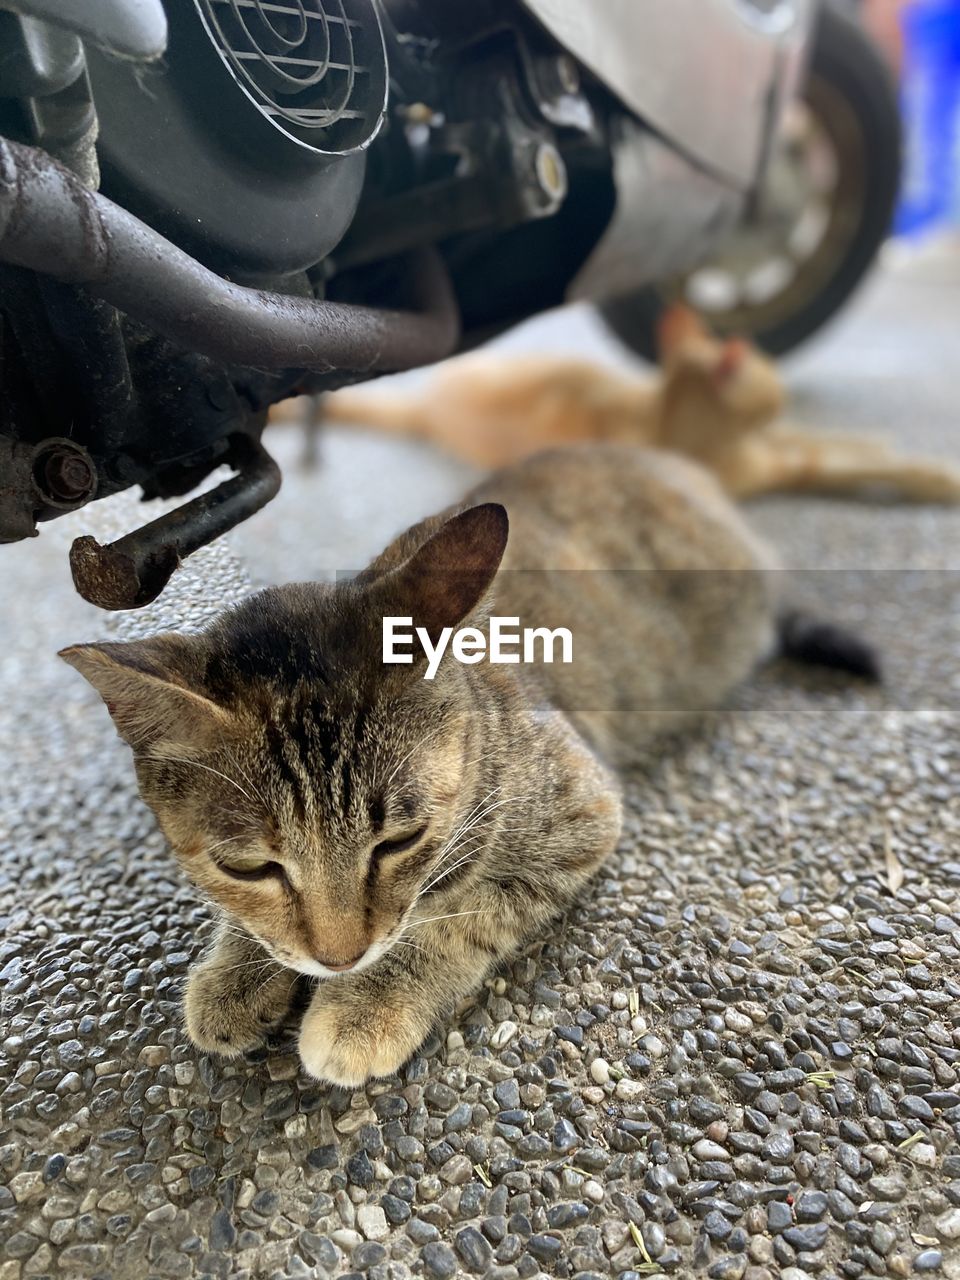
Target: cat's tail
803, 637
397, 413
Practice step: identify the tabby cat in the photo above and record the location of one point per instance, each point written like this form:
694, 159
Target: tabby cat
717, 401
397, 837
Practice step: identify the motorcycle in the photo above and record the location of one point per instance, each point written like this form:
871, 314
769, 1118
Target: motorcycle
207, 206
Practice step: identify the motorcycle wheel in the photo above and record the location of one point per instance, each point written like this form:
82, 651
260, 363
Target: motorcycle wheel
826, 209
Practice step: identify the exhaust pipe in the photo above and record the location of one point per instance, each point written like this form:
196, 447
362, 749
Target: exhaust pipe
50, 223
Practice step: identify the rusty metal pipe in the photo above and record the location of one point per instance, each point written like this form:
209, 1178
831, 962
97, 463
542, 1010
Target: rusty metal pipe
132, 571
50, 223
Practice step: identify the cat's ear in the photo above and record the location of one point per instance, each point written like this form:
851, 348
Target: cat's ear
146, 688
730, 359
678, 327
446, 578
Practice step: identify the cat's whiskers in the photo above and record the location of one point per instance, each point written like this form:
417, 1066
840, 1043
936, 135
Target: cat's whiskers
216, 919
453, 843
438, 871
235, 930
195, 764
450, 851
405, 942
271, 977
259, 963
227, 922
240, 937
247, 778
478, 845
468, 822
212, 848
475, 760
450, 915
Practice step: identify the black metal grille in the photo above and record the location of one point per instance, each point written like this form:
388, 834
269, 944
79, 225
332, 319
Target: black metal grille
311, 65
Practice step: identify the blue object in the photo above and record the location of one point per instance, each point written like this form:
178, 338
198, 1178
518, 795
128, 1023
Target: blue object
931, 113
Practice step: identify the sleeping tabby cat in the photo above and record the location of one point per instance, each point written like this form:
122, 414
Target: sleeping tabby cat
717, 401
397, 837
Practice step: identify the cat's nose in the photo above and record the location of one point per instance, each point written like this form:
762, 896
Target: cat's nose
340, 966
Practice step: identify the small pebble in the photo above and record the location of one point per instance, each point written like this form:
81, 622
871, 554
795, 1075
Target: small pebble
600, 1070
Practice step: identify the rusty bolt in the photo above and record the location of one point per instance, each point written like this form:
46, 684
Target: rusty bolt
64, 473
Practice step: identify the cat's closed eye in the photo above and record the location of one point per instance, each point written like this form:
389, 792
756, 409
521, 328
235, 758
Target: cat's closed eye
251, 869
385, 847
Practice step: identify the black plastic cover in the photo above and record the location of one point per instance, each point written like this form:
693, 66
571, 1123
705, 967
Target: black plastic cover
185, 149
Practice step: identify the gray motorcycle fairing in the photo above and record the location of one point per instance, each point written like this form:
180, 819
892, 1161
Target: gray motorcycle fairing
134, 29
699, 72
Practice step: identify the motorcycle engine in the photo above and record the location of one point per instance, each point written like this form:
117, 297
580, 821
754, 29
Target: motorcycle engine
245, 146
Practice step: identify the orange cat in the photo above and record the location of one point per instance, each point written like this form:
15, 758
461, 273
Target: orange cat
716, 401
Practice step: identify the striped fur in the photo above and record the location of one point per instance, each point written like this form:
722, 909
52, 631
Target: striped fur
429, 828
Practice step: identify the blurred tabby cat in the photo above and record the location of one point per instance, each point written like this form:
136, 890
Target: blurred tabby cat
397, 837
716, 402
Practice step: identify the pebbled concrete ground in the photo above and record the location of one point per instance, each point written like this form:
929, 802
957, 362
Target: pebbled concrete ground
740, 1058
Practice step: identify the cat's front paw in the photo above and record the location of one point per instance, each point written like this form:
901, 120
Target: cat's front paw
227, 1017
348, 1045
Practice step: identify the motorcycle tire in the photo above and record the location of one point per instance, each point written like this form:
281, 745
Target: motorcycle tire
846, 63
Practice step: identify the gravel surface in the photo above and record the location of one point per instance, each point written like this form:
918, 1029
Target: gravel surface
740, 1058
